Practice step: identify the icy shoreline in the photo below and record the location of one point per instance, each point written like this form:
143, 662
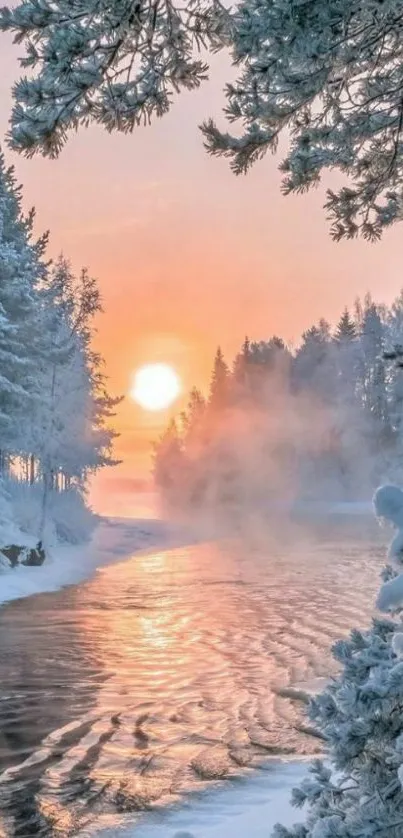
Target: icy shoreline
245, 808
114, 539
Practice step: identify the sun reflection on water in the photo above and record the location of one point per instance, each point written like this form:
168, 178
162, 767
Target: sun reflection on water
184, 659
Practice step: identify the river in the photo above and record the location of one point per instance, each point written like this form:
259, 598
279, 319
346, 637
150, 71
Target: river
171, 670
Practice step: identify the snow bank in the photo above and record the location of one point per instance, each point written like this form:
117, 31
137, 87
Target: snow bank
112, 540
69, 519
247, 808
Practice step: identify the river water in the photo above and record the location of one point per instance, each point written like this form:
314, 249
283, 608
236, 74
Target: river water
170, 671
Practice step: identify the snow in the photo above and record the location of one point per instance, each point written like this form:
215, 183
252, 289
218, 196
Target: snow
390, 595
247, 808
113, 540
397, 644
388, 505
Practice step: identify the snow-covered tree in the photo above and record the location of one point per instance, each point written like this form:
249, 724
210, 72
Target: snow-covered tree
374, 386
358, 792
117, 63
328, 73
314, 366
169, 464
345, 330
21, 270
346, 357
193, 417
219, 385
66, 431
55, 409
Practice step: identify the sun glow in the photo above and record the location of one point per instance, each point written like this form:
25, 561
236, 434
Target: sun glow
155, 386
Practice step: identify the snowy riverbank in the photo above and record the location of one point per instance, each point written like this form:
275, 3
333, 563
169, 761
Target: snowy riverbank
246, 808
113, 540
117, 538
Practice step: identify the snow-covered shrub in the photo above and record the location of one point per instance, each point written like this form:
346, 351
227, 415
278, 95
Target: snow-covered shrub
359, 793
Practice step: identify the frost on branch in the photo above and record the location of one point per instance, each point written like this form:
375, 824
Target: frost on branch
116, 63
329, 74
326, 73
359, 793
388, 504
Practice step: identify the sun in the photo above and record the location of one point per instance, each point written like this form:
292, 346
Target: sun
155, 386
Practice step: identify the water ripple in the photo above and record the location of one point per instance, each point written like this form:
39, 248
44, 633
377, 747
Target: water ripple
167, 672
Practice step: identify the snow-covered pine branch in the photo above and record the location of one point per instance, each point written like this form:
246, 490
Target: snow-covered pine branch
327, 74
330, 76
116, 63
359, 793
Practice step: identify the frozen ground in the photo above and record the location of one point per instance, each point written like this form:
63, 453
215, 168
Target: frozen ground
247, 808
113, 540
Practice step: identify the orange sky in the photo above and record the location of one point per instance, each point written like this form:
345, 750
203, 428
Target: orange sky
186, 254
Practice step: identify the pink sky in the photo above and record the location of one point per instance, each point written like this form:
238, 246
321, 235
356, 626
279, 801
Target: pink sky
188, 255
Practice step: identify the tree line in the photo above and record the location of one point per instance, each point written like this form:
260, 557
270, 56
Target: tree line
322, 421
54, 403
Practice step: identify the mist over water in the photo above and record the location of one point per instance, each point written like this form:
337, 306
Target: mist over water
173, 670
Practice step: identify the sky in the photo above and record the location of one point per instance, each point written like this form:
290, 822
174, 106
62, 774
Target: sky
187, 255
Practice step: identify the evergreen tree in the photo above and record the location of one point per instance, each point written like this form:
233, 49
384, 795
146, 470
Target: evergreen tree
317, 71
345, 330
55, 409
169, 463
360, 717
239, 381
193, 416
118, 63
194, 442
320, 72
267, 371
330, 414
67, 430
393, 359
313, 366
347, 358
373, 365
21, 339
219, 385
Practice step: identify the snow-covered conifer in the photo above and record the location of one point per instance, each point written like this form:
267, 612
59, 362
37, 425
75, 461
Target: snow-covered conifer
169, 464
373, 368
358, 792
69, 433
328, 73
219, 384
21, 270
55, 409
117, 63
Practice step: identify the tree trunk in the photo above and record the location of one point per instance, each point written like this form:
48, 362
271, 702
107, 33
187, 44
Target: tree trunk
44, 509
32, 470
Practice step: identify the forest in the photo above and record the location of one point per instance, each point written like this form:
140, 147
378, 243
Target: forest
55, 408
319, 422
